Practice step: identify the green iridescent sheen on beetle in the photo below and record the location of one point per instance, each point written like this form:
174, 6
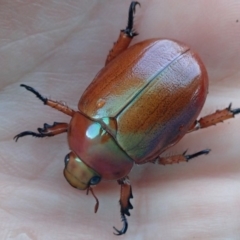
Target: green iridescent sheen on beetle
97, 148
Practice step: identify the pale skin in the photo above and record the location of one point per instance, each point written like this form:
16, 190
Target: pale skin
58, 48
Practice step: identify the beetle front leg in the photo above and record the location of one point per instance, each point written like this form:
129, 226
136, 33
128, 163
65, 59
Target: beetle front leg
214, 118
125, 37
126, 195
46, 131
179, 158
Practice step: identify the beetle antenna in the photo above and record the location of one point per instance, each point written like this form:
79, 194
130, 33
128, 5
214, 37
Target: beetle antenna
97, 202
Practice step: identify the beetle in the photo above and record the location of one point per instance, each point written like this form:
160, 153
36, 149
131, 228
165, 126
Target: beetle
142, 102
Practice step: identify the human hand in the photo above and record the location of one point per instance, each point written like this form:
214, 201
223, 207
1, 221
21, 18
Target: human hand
58, 48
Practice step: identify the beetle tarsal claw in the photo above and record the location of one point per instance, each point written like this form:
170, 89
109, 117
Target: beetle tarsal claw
129, 29
36, 93
233, 111
203, 152
124, 228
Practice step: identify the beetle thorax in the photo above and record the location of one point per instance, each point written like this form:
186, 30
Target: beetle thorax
96, 147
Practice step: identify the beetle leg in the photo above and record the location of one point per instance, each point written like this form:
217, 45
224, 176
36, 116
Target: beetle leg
125, 37
214, 118
46, 131
54, 104
126, 195
179, 158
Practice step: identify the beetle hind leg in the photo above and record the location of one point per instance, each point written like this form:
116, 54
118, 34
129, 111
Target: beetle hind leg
46, 131
126, 35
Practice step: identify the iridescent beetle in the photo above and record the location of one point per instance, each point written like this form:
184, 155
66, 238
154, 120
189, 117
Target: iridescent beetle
145, 99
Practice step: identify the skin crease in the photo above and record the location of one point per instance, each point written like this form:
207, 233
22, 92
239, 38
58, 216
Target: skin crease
57, 47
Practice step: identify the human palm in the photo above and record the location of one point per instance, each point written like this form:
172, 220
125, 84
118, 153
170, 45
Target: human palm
58, 48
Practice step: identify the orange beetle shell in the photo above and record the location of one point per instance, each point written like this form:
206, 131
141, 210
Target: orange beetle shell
148, 96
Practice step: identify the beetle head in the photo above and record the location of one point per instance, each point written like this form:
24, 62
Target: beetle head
78, 174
